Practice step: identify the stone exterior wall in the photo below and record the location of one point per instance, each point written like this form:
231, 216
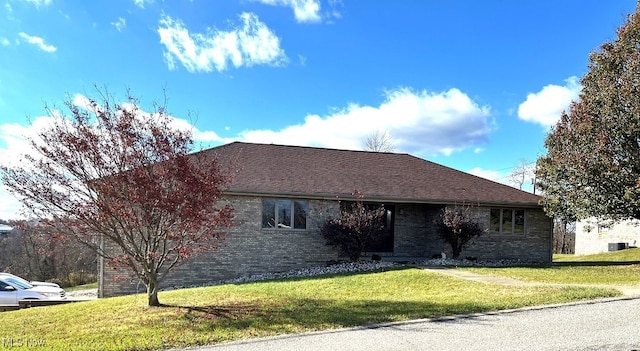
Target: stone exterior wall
249, 249
534, 246
415, 234
594, 236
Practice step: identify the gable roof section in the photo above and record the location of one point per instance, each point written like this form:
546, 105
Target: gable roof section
266, 169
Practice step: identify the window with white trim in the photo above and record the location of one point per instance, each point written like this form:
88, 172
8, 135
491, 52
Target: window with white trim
284, 214
506, 221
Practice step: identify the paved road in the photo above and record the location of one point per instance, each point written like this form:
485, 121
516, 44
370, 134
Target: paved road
604, 325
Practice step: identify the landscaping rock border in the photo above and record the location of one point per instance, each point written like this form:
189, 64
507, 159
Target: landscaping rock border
338, 268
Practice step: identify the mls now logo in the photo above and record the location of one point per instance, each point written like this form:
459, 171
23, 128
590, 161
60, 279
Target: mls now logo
19, 342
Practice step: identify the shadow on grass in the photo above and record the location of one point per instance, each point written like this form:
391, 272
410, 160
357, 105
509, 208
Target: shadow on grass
316, 314
229, 311
326, 276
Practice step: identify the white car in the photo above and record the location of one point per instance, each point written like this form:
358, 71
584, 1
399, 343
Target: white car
2, 274
13, 290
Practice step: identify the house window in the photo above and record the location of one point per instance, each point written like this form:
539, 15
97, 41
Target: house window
506, 221
284, 214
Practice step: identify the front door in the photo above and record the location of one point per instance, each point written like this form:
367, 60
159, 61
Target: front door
384, 243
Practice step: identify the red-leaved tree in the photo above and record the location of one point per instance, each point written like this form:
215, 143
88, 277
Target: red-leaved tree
357, 226
109, 170
457, 227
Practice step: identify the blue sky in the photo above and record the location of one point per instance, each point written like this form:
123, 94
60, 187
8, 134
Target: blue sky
474, 85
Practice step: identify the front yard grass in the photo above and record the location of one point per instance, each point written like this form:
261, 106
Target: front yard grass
224, 313
611, 268
629, 256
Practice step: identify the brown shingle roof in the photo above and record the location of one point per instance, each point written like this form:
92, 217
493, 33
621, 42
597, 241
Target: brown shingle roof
328, 173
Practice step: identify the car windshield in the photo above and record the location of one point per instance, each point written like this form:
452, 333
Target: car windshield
24, 281
17, 283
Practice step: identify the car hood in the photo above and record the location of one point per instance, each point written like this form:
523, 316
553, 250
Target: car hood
46, 289
45, 284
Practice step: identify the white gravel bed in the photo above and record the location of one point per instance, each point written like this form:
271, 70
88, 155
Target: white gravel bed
352, 267
349, 267
89, 294
468, 263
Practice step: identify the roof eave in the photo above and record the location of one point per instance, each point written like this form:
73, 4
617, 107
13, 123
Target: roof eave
396, 200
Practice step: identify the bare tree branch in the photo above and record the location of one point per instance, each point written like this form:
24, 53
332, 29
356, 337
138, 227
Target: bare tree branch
379, 142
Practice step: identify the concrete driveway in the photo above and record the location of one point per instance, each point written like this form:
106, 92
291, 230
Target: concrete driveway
611, 324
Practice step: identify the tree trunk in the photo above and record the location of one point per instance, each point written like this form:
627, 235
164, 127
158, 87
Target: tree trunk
564, 237
152, 293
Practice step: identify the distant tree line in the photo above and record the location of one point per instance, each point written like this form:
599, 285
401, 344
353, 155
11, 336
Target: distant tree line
35, 252
564, 236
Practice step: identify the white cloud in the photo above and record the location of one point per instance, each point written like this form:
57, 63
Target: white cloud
65, 15
4, 42
84, 102
38, 3
142, 3
251, 43
37, 41
13, 136
309, 11
417, 122
496, 176
10, 205
303, 10
546, 106
507, 177
303, 60
14, 144
334, 12
120, 24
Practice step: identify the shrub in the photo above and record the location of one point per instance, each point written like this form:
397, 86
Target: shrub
356, 227
75, 279
457, 227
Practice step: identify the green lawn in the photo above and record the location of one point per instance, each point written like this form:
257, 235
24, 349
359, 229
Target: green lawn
618, 268
236, 311
630, 256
